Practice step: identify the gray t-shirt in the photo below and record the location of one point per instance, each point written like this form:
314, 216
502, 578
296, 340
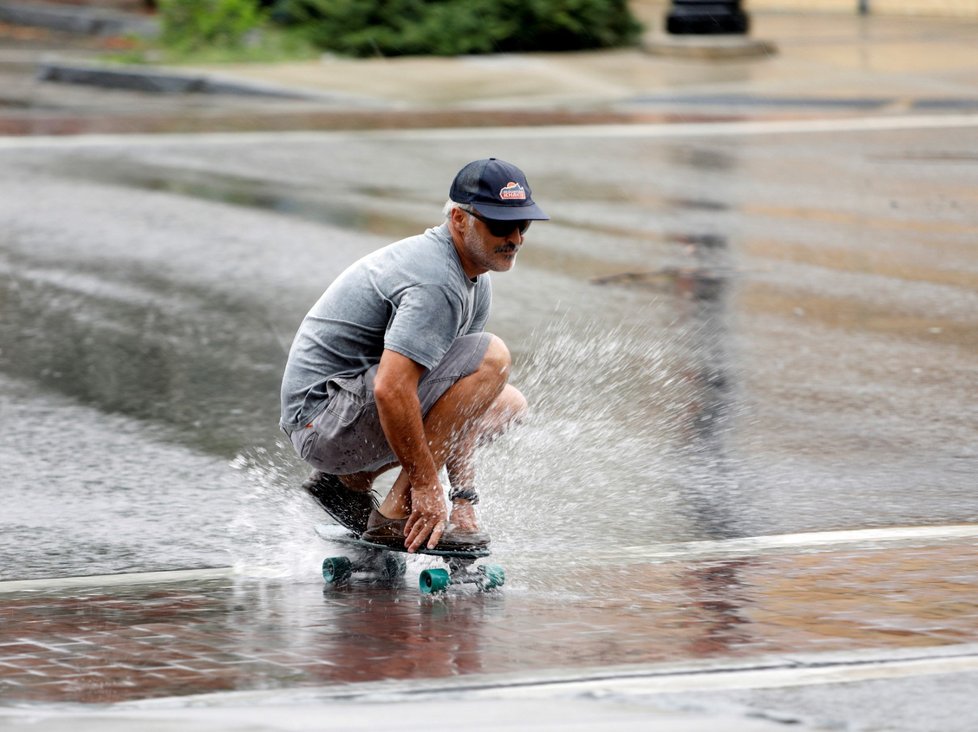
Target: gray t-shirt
411, 297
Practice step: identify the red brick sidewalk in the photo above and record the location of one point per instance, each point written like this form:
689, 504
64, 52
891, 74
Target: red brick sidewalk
121, 643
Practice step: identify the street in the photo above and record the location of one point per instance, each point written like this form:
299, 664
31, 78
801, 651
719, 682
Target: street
750, 353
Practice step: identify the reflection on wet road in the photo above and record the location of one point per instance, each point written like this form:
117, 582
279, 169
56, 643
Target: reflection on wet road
113, 644
720, 338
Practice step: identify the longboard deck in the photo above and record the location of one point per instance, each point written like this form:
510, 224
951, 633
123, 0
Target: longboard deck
340, 535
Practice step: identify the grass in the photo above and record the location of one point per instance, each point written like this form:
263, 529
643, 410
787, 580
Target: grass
264, 45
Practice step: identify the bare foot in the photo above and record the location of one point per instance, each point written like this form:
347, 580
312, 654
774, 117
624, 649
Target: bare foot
463, 517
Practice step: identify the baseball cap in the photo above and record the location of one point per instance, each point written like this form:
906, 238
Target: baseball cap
497, 190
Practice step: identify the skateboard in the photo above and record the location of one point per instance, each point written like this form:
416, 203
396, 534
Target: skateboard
382, 562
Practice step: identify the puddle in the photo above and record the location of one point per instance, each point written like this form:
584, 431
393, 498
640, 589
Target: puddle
130, 343
246, 192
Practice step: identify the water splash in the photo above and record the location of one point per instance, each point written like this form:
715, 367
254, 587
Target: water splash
272, 533
620, 445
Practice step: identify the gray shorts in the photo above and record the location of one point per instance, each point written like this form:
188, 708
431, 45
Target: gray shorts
346, 437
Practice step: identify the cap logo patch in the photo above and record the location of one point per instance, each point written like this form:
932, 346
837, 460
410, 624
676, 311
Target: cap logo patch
512, 192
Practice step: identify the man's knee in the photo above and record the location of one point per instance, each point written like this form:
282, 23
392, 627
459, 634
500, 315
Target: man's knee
497, 359
509, 405
506, 411
512, 404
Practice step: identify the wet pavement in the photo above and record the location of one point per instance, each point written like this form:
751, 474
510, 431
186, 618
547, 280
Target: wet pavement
760, 334
111, 644
746, 344
777, 356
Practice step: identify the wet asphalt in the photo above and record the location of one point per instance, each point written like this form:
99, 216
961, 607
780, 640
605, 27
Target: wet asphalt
726, 332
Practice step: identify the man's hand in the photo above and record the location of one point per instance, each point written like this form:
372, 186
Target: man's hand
429, 516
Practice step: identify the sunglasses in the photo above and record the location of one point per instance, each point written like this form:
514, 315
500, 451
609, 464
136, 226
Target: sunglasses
500, 228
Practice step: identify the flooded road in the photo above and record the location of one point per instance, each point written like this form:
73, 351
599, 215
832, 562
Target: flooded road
726, 337
730, 337
747, 485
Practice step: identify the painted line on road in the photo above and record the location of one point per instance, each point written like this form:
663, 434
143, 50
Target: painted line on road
615, 131
698, 129
115, 580
618, 555
771, 544
784, 542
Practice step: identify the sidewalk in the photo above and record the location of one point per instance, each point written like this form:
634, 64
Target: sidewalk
825, 63
825, 66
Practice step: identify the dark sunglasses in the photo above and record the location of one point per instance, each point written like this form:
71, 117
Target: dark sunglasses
500, 228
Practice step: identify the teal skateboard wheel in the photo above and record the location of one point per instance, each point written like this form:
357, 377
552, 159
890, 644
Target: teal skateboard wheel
434, 580
337, 569
492, 576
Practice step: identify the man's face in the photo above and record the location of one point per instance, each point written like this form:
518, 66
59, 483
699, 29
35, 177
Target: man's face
486, 251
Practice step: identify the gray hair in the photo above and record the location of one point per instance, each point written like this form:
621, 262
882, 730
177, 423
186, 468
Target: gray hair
451, 205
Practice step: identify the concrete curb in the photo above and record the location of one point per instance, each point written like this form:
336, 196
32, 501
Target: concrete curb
718, 47
77, 20
159, 81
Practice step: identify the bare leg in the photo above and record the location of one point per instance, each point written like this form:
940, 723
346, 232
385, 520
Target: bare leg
505, 410
473, 406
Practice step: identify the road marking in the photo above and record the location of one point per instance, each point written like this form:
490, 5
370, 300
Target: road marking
114, 580
753, 545
616, 131
783, 542
698, 129
760, 545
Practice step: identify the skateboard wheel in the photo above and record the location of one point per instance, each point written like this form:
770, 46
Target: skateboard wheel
433, 580
394, 566
492, 576
337, 569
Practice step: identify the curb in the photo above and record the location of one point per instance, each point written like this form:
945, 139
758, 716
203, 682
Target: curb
77, 20
157, 81
713, 47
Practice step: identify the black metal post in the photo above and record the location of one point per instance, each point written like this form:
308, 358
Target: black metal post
706, 17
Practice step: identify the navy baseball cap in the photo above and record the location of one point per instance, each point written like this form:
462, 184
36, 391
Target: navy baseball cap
497, 190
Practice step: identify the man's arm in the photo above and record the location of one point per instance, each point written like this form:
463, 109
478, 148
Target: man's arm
396, 393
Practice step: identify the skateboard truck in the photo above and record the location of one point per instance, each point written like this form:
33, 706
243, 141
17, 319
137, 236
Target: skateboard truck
388, 564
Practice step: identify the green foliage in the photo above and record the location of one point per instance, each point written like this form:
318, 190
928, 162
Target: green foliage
195, 25
272, 45
454, 27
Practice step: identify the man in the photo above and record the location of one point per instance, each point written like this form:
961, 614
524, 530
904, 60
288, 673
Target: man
392, 367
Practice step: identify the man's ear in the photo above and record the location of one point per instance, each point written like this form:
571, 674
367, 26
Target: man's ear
457, 219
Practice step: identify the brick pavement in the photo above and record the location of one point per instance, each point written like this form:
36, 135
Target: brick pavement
133, 642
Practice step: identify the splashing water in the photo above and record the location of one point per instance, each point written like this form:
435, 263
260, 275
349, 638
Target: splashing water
600, 459
272, 534
603, 459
